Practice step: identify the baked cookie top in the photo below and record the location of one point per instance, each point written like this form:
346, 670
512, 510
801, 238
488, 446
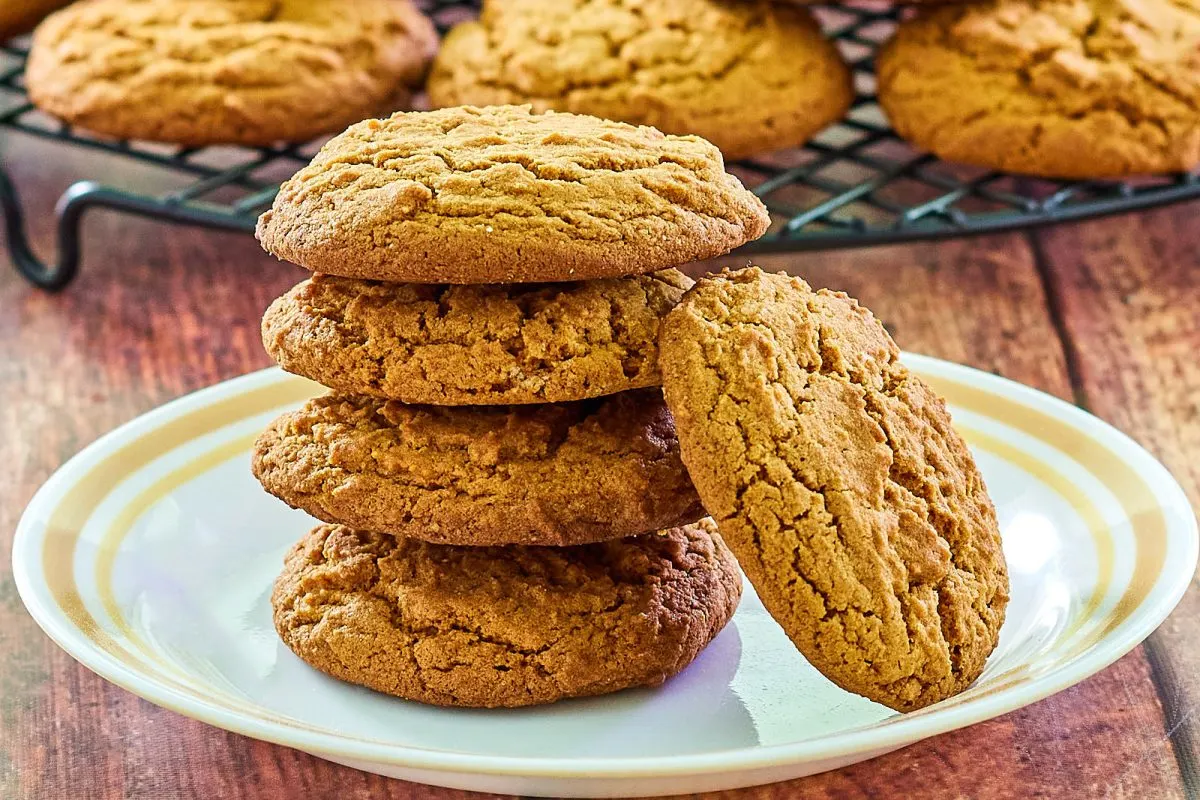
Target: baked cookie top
836, 478
504, 195
467, 345
511, 626
239, 71
750, 77
555, 474
1062, 88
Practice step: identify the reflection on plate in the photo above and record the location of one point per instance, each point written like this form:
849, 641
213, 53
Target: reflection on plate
149, 557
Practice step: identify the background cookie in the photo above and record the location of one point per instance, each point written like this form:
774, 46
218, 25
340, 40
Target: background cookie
750, 77
240, 71
503, 195
513, 626
836, 478
557, 474
464, 345
1061, 88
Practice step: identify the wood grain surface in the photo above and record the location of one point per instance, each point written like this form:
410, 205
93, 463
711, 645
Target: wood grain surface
1102, 313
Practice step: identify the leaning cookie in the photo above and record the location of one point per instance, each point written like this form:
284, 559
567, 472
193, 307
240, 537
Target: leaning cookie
555, 474
1060, 88
504, 195
502, 627
200, 72
750, 77
836, 478
474, 345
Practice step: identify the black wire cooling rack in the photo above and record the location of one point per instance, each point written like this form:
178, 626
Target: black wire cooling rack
856, 184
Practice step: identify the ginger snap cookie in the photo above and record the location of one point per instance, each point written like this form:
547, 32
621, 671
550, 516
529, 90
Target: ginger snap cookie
200, 72
467, 345
554, 474
503, 626
838, 481
505, 195
1059, 88
750, 77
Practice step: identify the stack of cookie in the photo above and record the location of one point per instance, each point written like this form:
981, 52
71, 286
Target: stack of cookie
509, 519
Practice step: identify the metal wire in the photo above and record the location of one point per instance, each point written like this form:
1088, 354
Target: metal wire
856, 184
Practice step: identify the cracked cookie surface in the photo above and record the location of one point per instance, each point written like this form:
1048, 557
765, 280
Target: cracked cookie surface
1060, 88
504, 195
202, 72
504, 626
837, 480
750, 77
554, 474
474, 345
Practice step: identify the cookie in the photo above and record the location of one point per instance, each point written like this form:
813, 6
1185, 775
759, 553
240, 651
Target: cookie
561, 474
1057, 88
253, 72
466, 345
842, 2
503, 626
838, 481
18, 16
750, 77
504, 195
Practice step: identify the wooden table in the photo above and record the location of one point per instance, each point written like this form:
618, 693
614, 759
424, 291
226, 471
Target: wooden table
1105, 313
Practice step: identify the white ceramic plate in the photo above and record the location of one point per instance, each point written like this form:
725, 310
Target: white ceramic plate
149, 557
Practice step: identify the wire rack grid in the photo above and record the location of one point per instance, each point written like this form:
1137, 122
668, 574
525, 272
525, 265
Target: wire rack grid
856, 184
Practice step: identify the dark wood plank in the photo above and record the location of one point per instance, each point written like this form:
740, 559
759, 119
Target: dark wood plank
158, 312
1129, 296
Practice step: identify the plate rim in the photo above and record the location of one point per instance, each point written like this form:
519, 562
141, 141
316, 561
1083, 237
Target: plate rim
1168, 588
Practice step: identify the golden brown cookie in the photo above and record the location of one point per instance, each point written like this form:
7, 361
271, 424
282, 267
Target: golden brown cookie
201, 72
561, 474
503, 195
19, 16
1060, 88
843, 2
474, 345
504, 626
836, 478
750, 77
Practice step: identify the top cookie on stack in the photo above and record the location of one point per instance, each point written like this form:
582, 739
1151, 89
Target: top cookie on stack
504, 195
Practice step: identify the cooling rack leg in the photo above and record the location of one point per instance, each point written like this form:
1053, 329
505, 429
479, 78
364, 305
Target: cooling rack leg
71, 206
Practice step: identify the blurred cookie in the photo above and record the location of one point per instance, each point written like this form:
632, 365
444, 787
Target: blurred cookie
504, 195
1059, 88
750, 77
561, 474
843, 2
838, 481
504, 626
202, 72
474, 345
